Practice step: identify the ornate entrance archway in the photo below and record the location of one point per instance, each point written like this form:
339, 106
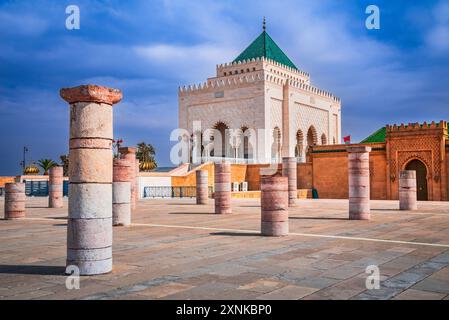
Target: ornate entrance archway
421, 178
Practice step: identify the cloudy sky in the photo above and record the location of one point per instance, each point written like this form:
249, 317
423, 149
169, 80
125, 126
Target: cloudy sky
147, 49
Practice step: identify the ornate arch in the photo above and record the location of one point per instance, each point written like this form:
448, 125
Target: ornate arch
312, 137
405, 161
323, 139
221, 126
217, 123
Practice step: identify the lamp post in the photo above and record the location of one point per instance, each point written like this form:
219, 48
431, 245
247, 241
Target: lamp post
23, 162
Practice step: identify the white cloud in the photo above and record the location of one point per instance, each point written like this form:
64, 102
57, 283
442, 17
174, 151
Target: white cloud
188, 63
22, 24
437, 37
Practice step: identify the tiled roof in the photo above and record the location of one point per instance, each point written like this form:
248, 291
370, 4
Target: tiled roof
378, 136
264, 46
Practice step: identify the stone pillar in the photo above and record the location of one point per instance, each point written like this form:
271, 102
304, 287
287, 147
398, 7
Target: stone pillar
222, 192
202, 193
55, 187
89, 230
289, 170
15, 200
136, 187
407, 190
274, 205
359, 183
121, 193
129, 154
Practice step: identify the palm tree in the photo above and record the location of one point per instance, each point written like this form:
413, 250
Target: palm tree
65, 164
145, 153
46, 164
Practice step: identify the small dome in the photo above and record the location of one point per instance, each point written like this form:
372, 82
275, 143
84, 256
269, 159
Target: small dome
30, 170
147, 166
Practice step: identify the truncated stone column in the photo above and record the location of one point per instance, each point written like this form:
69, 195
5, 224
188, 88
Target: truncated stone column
89, 230
274, 205
359, 183
222, 192
202, 193
55, 187
136, 187
129, 154
289, 170
15, 200
121, 193
407, 190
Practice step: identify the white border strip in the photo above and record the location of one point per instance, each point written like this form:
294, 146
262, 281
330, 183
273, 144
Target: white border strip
297, 234
442, 245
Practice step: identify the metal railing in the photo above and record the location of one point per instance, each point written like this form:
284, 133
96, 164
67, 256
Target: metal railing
247, 161
39, 188
228, 159
171, 192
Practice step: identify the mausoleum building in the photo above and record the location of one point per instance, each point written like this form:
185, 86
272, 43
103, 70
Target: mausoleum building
262, 108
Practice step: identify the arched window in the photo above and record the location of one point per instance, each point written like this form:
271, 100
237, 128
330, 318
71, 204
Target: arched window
323, 139
223, 132
312, 139
246, 144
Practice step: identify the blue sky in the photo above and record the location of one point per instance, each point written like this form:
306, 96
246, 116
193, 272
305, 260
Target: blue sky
147, 49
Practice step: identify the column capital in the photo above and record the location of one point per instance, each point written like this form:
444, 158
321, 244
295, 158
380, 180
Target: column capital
358, 149
91, 93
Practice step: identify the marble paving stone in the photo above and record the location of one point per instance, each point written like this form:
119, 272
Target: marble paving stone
288, 293
157, 258
412, 294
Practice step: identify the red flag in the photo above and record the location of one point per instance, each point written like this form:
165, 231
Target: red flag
347, 139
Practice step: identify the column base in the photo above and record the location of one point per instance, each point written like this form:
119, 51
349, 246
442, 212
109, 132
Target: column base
90, 268
274, 229
359, 216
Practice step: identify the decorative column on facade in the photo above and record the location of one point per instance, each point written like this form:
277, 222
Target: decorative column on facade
359, 182
89, 230
274, 205
121, 193
222, 192
15, 200
407, 190
289, 168
202, 193
286, 148
129, 154
55, 187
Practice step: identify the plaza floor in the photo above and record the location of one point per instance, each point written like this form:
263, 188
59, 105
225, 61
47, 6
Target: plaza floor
178, 250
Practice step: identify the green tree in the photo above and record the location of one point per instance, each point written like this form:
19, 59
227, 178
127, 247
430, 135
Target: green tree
65, 164
46, 164
146, 153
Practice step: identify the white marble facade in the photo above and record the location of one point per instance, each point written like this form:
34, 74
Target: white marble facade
279, 113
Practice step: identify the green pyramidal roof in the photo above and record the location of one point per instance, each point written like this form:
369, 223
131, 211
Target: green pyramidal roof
264, 46
378, 136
